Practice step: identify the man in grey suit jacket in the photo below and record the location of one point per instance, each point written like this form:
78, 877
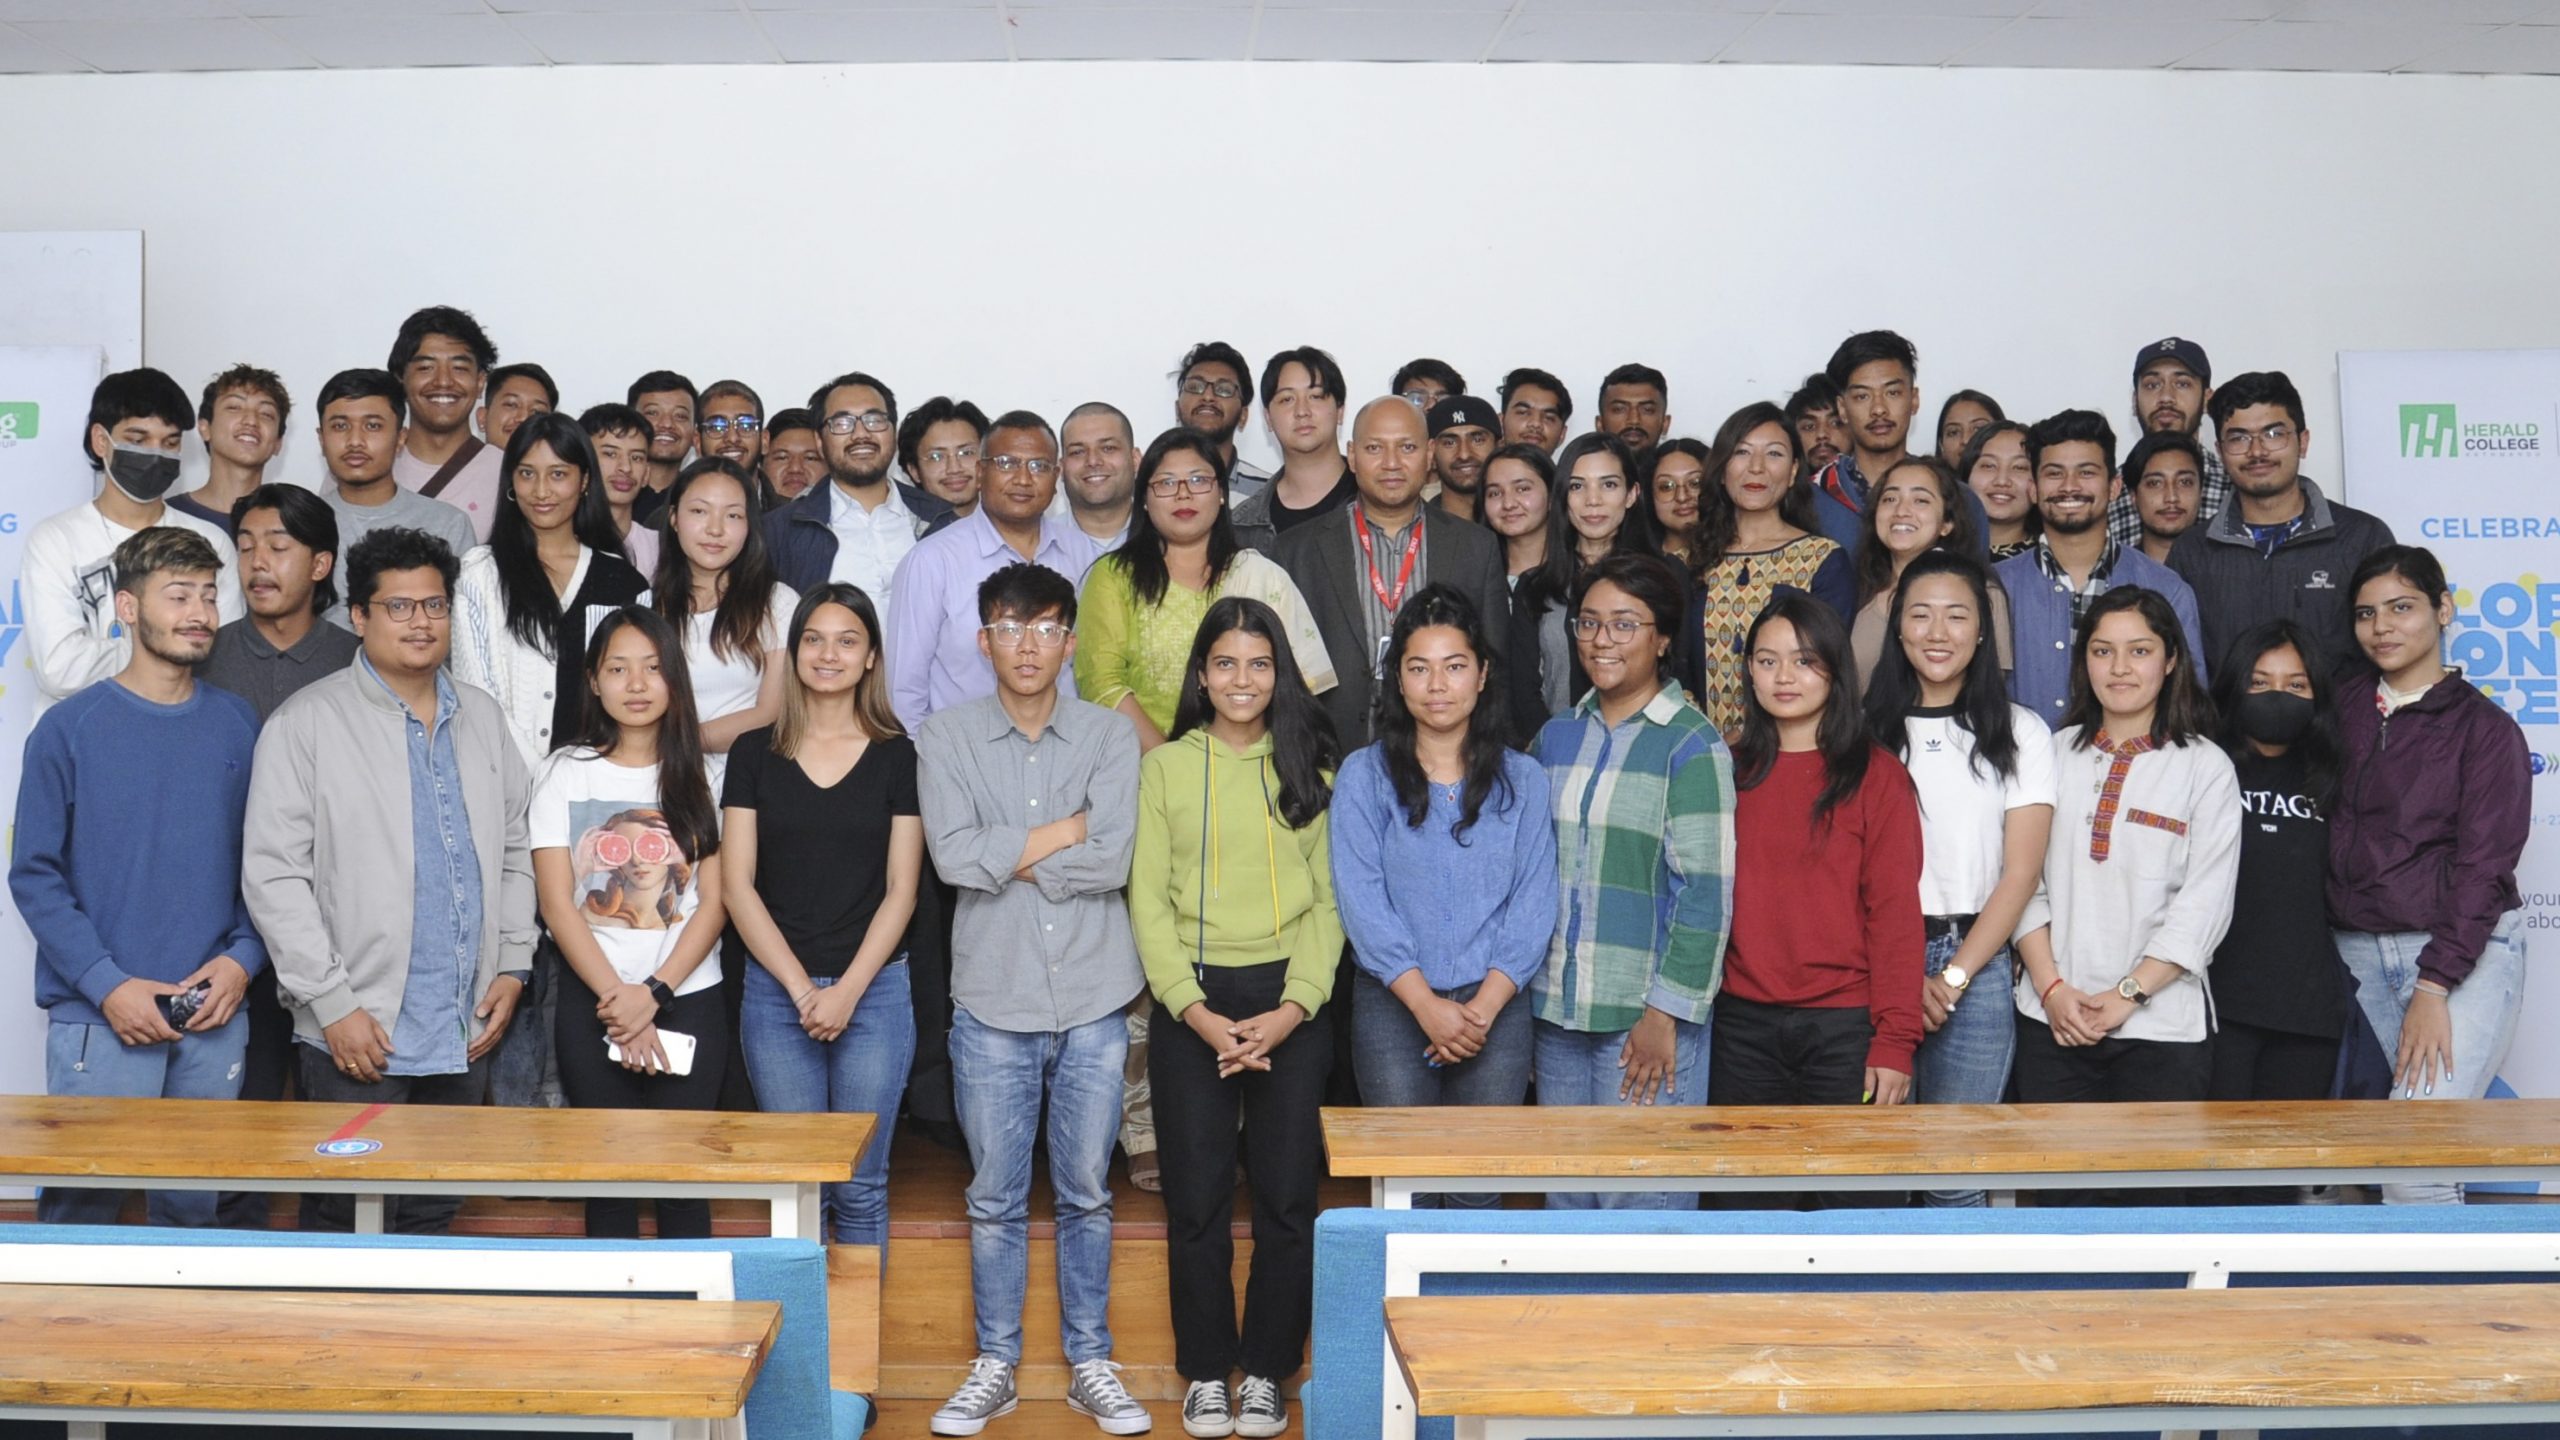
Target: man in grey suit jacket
1357, 567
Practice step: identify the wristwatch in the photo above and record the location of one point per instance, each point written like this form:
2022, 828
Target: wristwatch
1955, 977
659, 992
2132, 990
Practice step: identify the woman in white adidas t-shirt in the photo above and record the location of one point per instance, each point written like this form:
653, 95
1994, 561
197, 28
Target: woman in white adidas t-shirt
715, 584
1984, 770
626, 864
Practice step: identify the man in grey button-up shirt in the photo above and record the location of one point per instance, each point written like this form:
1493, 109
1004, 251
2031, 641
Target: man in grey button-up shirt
1030, 802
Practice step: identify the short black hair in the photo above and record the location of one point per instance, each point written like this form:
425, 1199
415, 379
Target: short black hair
659, 382
818, 397
1217, 352
1328, 375
255, 379
798, 417
2155, 443
143, 394
307, 518
526, 370
1816, 393
2258, 387
1024, 590
1021, 420
1651, 580
1532, 375
448, 321
1632, 373
364, 385
2065, 426
614, 418
162, 549
911, 430
2415, 564
1438, 372
1867, 347
396, 547
723, 389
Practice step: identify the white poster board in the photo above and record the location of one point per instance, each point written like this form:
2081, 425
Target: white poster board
2459, 450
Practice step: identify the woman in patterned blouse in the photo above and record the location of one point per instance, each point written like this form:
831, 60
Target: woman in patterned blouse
1756, 533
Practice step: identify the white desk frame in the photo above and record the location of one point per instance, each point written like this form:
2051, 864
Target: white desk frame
792, 1206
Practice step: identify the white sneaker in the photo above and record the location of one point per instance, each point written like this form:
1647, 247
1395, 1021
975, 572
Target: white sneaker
1096, 1391
1204, 1410
1259, 1410
986, 1394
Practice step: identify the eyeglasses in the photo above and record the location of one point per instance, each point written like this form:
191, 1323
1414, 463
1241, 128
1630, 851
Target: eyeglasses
401, 607
1047, 634
2244, 441
963, 455
845, 422
1169, 486
652, 848
1419, 399
723, 424
1007, 464
1223, 389
1622, 630
1685, 488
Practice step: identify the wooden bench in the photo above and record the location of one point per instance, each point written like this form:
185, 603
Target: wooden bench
644, 1368
1510, 1367
373, 1151
1938, 1147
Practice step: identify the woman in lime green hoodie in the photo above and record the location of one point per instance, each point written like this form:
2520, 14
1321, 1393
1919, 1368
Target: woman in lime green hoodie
1231, 895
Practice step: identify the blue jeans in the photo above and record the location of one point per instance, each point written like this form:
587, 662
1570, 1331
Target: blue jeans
82, 1059
2483, 1009
1386, 1054
1580, 1067
997, 1078
861, 1072
1966, 1060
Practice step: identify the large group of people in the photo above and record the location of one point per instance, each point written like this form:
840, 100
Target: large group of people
1067, 793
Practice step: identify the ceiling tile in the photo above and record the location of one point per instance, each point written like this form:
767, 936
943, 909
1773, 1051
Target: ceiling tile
1077, 34
1387, 7
2098, 44
608, 7
834, 37
2513, 50
1244, 5
1663, 38
1375, 34
2160, 10
726, 39
1859, 40
1582, 7
2294, 45
2468, 12
13, 10
347, 42
1923, 9
22, 56
170, 44
360, 9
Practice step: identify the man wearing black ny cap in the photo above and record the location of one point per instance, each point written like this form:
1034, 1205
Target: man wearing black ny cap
1464, 431
2172, 384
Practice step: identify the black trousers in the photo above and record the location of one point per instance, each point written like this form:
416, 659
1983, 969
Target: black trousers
2254, 1063
262, 1077
402, 1214
2113, 1070
1788, 1055
591, 1080
929, 1100
1196, 1142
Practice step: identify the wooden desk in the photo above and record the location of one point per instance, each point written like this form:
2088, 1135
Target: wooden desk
1816, 1364
1939, 1147
432, 1150
646, 1368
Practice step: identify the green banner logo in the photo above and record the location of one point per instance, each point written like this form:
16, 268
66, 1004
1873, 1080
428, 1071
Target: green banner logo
2427, 432
17, 420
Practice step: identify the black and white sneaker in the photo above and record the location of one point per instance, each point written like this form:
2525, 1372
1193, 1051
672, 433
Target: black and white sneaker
1259, 1410
1204, 1410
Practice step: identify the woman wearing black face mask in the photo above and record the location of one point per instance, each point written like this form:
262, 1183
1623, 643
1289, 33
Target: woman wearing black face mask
2279, 987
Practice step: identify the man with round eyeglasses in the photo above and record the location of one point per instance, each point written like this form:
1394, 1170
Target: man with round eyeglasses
856, 528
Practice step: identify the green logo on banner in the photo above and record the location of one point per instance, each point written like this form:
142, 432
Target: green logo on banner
2427, 432
17, 420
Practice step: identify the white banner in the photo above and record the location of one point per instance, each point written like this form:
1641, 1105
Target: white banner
2459, 450
44, 417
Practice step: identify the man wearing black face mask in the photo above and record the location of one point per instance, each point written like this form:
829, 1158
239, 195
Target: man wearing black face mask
136, 420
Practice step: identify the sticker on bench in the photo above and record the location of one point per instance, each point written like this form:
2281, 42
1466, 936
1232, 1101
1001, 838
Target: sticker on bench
346, 1149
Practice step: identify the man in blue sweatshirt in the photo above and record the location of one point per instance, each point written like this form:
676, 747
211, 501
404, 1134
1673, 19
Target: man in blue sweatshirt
138, 904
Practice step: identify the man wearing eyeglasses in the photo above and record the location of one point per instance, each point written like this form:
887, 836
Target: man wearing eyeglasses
732, 423
932, 617
857, 527
402, 944
2172, 386
2281, 550
1426, 382
1211, 395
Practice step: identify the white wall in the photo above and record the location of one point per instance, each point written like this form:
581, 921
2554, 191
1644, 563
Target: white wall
1043, 234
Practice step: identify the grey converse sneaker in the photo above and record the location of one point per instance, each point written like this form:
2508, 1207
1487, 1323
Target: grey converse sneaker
1259, 1410
1096, 1391
1204, 1410
986, 1394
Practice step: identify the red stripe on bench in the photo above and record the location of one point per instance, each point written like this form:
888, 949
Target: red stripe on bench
355, 1127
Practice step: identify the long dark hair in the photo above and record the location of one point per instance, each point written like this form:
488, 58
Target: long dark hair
1717, 517
2182, 713
1142, 554
2033, 520
1483, 749
684, 784
746, 595
1842, 735
2323, 753
1303, 745
1982, 699
1650, 531
533, 609
1555, 578
1874, 562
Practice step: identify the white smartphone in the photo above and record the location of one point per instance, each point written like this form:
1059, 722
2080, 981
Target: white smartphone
678, 1045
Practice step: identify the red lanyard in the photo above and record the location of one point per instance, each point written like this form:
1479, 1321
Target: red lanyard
1368, 552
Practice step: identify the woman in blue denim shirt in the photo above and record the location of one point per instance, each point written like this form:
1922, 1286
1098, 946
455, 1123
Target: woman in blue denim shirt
1984, 769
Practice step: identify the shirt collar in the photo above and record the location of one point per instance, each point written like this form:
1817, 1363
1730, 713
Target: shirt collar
1066, 720
840, 505
1662, 709
2053, 570
447, 700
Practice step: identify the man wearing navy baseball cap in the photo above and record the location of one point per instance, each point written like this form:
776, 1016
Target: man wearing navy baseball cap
2172, 381
1464, 431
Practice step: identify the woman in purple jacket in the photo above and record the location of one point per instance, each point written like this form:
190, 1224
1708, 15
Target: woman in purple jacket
2430, 821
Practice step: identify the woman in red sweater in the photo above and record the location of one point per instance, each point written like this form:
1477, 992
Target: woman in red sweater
1821, 1002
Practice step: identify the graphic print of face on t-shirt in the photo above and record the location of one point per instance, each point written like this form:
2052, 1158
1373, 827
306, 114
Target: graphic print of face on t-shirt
631, 874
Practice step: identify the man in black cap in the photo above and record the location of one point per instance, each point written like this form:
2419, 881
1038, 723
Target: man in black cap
1464, 431
2172, 384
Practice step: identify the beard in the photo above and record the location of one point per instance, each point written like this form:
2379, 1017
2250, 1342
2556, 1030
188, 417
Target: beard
845, 473
170, 645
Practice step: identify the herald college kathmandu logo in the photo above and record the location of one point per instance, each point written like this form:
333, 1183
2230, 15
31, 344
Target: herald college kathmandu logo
17, 421
2436, 432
